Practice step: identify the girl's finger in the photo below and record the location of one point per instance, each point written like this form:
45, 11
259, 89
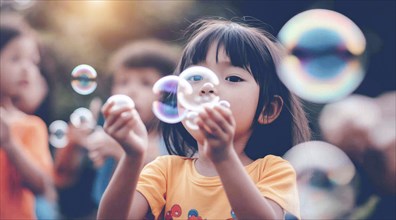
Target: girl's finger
226, 113
121, 123
202, 127
106, 108
210, 126
114, 115
218, 118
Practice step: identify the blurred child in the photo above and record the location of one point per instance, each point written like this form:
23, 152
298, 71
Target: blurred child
365, 129
134, 68
233, 175
26, 164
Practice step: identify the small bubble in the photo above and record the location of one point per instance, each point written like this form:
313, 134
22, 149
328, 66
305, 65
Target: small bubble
165, 107
82, 117
83, 79
58, 134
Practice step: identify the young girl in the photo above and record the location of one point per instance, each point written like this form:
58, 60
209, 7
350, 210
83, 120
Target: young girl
25, 160
234, 175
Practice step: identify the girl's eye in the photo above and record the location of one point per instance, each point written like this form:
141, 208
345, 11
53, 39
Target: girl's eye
195, 78
234, 79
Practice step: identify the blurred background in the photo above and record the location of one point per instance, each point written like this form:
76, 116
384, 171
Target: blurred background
86, 32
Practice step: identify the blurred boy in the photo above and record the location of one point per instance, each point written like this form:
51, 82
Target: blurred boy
134, 69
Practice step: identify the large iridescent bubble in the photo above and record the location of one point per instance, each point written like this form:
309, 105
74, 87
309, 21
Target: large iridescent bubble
183, 97
197, 87
325, 52
58, 134
326, 180
83, 79
166, 107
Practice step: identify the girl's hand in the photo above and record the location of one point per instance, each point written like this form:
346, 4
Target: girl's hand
218, 127
126, 127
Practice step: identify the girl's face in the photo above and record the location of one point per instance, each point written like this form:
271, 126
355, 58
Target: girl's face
237, 86
137, 83
29, 99
18, 65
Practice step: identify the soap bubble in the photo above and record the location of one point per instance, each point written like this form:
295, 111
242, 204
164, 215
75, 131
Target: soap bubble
325, 179
165, 107
183, 97
83, 79
325, 52
197, 86
82, 117
58, 134
120, 101
190, 120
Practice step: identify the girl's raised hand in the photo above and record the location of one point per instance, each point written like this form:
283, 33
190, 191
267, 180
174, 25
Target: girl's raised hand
218, 127
126, 127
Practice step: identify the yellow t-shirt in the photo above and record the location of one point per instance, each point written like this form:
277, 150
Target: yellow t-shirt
172, 185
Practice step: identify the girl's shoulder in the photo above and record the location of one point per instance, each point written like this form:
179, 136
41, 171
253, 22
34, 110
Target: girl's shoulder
169, 165
269, 161
29, 123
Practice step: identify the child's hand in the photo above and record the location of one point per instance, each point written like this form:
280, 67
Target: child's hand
101, 146
126, 127
218, 127
77, 135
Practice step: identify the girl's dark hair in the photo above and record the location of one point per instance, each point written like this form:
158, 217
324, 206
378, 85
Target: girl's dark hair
12, 25
258, 52
7, 34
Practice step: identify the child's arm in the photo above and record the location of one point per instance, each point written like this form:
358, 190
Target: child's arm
120, 200
246, 200
218, 126
68, 159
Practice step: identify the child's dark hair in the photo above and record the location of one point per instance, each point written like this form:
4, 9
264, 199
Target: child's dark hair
146, 53
256, 51
12, 26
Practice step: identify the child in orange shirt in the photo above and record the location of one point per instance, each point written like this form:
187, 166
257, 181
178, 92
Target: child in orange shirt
25, 160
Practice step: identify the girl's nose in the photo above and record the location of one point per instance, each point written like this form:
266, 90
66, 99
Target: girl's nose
208, 89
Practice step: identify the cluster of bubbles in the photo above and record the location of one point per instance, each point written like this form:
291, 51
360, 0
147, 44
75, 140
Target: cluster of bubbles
326, 180
183, 97
83, 82
80, 118
178, 98
325, 55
